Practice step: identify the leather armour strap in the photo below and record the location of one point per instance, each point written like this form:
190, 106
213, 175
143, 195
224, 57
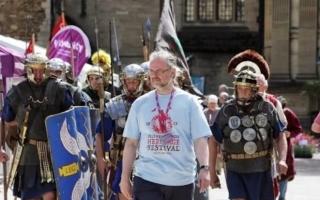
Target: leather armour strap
242, 156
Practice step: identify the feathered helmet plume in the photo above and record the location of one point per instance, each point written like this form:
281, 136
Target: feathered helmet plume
102, 59
249, 58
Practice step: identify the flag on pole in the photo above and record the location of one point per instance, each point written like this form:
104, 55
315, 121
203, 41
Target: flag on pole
114, 44
30, 47
145, 38
71, 45
60, 23
167, 37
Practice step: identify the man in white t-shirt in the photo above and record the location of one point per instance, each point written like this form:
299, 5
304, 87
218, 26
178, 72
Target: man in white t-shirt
168, 128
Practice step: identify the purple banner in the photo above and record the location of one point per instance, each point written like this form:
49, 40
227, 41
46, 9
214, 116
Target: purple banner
70, 42
7, 64
11, 64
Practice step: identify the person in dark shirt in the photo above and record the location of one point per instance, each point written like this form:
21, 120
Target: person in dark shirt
26, 106
246, 128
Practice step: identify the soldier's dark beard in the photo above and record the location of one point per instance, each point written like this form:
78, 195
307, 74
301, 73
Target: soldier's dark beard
245, 102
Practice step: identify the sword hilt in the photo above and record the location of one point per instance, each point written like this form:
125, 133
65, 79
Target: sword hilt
25, 125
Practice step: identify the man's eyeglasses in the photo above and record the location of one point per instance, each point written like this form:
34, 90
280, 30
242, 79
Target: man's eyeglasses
158, 72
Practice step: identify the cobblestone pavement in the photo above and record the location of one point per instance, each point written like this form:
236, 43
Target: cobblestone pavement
305, 186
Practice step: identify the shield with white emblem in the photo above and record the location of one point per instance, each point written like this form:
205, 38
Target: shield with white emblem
71, 147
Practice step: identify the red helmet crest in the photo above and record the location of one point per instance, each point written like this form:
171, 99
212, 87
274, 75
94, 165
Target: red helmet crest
249, 55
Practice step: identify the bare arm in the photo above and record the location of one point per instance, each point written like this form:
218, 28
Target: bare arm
213, 153
316, 124
282, 147
11, 133
315, 127
202, 150
129, 155
202, 153
101, 161
99, 148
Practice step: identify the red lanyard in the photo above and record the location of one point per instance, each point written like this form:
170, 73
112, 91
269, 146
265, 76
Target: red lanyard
169, 103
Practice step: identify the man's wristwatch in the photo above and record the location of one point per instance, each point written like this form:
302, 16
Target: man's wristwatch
205, 167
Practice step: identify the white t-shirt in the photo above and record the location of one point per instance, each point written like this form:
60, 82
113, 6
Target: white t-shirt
166, 149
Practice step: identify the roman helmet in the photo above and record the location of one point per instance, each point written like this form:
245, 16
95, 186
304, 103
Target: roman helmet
36, 62
246, 67
146, 85
57, 68
145, 66
95, 70
253, 57
132, 71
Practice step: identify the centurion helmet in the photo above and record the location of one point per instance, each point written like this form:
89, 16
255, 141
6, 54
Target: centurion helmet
35, 62
102, 59
246, 78
249, 59
247, 66
132, 71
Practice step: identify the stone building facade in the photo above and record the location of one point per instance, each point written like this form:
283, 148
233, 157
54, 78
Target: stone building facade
291, 46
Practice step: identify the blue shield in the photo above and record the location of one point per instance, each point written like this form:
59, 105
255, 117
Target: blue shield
71, 147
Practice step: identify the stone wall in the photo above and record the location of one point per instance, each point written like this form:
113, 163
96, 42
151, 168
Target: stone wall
19, 18
129, 17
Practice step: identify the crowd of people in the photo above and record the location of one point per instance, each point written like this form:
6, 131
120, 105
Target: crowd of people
155, 139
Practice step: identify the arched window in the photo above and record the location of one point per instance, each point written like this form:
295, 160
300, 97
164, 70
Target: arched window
214, 10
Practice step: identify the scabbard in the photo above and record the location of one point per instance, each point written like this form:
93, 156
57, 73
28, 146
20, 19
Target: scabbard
15, 163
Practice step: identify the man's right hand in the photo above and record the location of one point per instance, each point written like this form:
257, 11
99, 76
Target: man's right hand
12, 135
215, 181
102, 167
126, 188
